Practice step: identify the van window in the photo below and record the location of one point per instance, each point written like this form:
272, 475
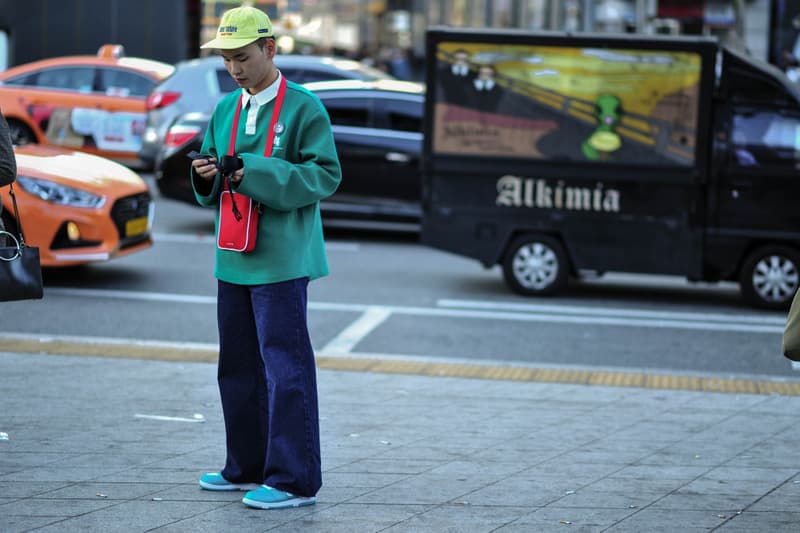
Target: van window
747, 86
117, 82
402, 115
23, 80
348, 111
404, 122
226, 83
765, 138
80, 79
4, 51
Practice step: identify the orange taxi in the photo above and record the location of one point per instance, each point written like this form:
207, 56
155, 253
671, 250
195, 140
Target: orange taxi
78, 208
94, 104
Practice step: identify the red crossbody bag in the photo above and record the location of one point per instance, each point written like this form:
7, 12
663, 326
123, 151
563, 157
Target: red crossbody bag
239, 214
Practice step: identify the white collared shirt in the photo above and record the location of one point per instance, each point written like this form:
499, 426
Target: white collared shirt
483, 85
459, 70
265, 96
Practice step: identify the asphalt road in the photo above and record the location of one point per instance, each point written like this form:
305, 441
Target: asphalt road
389, 296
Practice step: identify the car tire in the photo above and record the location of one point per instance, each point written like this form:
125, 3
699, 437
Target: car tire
21, 134
770, 276
535, 265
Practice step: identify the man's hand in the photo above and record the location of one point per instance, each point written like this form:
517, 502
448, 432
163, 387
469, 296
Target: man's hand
205, 168
231, 167
237, 176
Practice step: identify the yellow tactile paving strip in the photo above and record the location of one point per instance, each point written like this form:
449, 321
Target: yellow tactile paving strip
555, 375
103, 349
423, 368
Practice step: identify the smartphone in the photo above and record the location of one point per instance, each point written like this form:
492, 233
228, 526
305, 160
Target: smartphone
194, 154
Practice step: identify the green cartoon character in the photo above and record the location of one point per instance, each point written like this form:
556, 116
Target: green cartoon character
604, 140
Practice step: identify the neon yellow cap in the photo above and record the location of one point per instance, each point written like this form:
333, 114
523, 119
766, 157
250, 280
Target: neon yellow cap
239, 27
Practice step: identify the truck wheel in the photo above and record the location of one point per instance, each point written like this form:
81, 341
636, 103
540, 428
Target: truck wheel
20, 133
535, 265
770, 277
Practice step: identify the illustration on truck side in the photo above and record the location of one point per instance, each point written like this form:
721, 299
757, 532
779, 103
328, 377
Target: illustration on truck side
567, 103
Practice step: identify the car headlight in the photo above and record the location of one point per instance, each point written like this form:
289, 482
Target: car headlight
60, 194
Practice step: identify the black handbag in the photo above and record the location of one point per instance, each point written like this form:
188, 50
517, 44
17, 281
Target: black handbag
20, 270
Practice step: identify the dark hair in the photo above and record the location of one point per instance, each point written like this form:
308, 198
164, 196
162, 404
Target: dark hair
262, 41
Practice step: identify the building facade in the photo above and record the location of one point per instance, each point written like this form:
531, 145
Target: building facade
382, 30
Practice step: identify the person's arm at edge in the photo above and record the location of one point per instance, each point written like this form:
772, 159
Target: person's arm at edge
206, 190
8, 162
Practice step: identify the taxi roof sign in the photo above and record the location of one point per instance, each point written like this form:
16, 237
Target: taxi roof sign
111, 51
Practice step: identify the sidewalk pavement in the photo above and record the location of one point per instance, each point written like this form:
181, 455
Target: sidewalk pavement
96, 444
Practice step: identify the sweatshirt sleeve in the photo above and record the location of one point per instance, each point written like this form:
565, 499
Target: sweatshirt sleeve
283, 185
206, 192
8, 162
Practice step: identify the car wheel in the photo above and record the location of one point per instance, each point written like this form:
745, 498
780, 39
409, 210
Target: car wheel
770, 277
20, 133
535, 265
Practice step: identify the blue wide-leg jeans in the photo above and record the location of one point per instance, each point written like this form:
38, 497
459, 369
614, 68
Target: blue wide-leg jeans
268, 386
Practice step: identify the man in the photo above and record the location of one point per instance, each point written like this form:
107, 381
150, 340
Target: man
8, 166
488, 94
454, 80
266, 373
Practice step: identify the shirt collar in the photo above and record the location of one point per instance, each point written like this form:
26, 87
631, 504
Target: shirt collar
264, 96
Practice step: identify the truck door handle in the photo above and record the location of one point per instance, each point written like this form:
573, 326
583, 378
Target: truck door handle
397, 157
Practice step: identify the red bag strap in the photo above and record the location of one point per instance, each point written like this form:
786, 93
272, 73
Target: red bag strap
276, 111
272, 121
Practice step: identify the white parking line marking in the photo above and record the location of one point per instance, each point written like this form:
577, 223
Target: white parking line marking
183, 238
192, 238
347, 339
113, 341
195, 419
556, 315
133, 295
606, 311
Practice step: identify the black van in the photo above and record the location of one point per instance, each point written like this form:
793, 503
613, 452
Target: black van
553, 154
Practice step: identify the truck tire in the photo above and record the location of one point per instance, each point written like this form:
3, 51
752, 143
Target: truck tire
770, 276
535, 265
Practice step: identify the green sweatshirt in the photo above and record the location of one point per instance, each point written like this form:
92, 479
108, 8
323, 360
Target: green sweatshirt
303, 169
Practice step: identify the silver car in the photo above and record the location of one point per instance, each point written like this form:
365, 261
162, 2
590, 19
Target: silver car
197, 85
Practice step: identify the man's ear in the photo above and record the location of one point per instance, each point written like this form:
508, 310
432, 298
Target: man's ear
270, 46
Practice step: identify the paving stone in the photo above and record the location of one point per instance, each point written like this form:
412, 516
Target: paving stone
459, 519
19, 524
553, 518
759, 522
662, 521
133, 516
53, 507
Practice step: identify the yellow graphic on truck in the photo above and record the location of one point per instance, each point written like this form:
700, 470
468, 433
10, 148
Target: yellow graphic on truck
566, 103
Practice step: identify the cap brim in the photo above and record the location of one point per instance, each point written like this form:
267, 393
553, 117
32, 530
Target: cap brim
228, 43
